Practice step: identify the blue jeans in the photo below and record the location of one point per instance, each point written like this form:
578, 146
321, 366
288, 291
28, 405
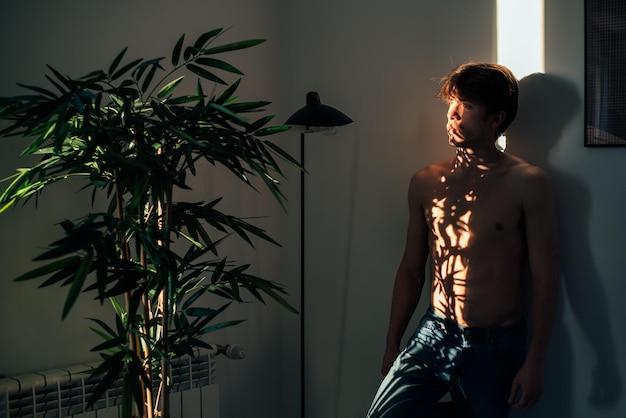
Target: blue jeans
475, 365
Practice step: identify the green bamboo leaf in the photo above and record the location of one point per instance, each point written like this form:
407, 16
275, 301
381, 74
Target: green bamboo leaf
233, 46
198, 323
64, 274
137, 370
109, 363
139, 71
102, 266
269, 289
117, 307
27, 190
39, 90
125, 69
270, 182
219, 64
219, 270
223, 291
228, 112
127, 83
227, 94
191, 240
219, 326
104, 326
49, 128
247, 106
95, 76
200, 93
189, 159
146, 82
120, 324
183, 99
61, 89
281, 301
234, 287
205, 37
191, 299
201, 72
78, 104
80, 239
112, 343
117, 61
77, 284
211, 245
282, 153
268, 157
111, 369
182, 323
271, 130
189, 51
201, 312
48, 268
169, 87
63, 79
176, 51
19, 178
7, 205
99, 333
258, 124
201, 344
135, 301
124, 283
184, 135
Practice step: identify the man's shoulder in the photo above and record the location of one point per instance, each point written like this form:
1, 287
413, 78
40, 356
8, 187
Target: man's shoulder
530, 182
523, 170
426, 178
434, 170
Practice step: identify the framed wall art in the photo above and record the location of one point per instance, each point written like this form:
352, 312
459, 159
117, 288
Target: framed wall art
605, 73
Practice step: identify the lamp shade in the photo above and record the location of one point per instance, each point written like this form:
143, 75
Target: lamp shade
316, 116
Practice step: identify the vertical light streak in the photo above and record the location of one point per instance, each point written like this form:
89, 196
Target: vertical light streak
520, 27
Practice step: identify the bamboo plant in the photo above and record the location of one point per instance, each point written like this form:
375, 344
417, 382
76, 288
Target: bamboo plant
132, 139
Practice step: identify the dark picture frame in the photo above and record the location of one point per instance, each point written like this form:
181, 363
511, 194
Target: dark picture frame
605, 73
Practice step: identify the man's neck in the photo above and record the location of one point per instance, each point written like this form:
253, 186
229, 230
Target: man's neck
481, 158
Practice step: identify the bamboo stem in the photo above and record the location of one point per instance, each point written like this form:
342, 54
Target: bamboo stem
133, 340
147, 352
164, 213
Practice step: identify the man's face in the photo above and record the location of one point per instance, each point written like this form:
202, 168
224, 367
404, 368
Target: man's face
468, 123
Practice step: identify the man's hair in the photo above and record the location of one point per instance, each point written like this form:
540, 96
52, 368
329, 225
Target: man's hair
492, 85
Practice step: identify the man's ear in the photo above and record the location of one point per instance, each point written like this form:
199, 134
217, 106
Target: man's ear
497, 119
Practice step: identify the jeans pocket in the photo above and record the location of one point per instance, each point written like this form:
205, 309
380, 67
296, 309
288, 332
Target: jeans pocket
430, 333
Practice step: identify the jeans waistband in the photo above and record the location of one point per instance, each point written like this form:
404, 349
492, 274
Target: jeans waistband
477, 334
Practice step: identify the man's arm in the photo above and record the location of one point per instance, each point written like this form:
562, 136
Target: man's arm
541, 235
410, 278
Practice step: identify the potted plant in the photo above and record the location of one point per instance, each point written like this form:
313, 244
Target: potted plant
133, 140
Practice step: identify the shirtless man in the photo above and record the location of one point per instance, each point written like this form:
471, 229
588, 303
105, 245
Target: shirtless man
480, 217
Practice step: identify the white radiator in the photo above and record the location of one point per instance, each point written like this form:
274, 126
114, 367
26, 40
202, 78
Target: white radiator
65, 392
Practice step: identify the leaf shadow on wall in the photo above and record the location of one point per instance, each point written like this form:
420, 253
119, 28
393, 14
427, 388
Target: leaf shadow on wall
547, 104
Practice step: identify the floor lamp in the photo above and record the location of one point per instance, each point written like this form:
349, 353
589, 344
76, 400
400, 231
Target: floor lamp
314, 117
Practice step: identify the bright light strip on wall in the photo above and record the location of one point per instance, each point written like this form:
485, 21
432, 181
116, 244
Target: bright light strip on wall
520, 26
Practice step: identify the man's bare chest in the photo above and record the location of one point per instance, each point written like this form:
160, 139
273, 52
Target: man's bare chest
472, 209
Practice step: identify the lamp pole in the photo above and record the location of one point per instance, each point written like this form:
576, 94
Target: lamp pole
302, 284
314, 117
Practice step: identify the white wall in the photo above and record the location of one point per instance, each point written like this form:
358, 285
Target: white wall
378, 62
